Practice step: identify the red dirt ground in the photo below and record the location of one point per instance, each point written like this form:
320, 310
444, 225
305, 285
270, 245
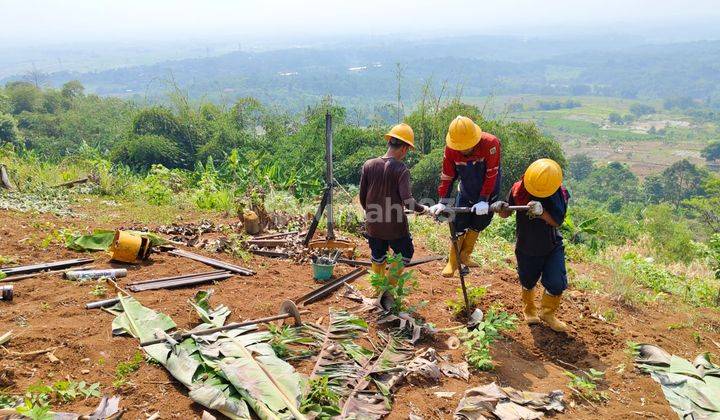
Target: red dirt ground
48, 311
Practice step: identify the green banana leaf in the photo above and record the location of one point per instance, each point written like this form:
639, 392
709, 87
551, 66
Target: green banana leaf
99, 240
231, 372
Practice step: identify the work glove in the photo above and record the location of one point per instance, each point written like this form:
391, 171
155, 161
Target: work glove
499, 206
535, 209
481, 208
437, 209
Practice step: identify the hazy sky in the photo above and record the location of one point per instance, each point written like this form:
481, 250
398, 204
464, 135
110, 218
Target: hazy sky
56, 21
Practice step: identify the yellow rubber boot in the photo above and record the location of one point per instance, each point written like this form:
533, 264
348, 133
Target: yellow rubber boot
529, 309
548, 310
378, 268
452, 265
467, 248
393, 273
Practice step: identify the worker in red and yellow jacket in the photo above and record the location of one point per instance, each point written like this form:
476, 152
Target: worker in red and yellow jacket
473, 158
539, 248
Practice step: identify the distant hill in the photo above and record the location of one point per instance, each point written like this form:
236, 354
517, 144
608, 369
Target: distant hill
365, 72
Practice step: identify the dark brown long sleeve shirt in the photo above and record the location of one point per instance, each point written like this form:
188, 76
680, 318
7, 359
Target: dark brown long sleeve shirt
384, 194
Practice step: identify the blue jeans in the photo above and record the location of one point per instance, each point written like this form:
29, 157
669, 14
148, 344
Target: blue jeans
549, 269
379, 248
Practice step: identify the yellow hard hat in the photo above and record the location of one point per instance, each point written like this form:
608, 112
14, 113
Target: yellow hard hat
463, 134
402, 132
543, 177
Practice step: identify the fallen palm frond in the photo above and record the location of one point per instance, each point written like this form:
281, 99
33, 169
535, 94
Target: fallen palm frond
384, 372
491, 401
234, 372
340, 360
380, 309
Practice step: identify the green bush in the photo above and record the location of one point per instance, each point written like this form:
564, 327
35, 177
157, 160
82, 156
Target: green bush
141, 152
671, 238
8, 129
425, 175
522, 144
23, 97
160, 185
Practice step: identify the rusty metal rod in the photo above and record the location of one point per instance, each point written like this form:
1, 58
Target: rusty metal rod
33, 268
276, 235
169, 284
268, 243
363, 263
274, 254
328, 288
39, 273
213, 262
181, 276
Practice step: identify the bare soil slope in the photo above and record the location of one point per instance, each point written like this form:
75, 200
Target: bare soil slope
49, 312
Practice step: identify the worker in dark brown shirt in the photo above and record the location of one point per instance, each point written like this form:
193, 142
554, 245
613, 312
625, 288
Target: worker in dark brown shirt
384, 195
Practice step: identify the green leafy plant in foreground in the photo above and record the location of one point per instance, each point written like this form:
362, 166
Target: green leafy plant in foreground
585, 385
457, 305
476, 342
320, 399
403, 286
36, 412
7, 401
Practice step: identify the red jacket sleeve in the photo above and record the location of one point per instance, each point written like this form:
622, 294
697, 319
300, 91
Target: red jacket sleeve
448, 175
491, 152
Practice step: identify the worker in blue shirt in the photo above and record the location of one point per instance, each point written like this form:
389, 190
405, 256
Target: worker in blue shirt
539, 247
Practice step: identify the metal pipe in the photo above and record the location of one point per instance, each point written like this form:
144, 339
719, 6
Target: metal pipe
182, 276
213, 262
361, 263
328, 288
112, 273
32, 268
6, 292
188, 281
469, 209
273, 254
329, 174
461, 267
102, 303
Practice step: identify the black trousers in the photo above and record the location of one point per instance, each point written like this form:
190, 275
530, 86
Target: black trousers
379, 248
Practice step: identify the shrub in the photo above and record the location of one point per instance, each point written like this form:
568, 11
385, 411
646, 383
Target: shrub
425, 175
672, 240
8, 129
580, 166
141, 152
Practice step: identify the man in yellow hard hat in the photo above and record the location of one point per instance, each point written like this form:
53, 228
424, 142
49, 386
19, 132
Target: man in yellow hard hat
473, 157
384, 195
539, 248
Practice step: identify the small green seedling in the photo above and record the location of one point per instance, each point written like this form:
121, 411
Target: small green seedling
585, 385
124, 369
99, 290
632, 349
457, 305
400, 289
320, 399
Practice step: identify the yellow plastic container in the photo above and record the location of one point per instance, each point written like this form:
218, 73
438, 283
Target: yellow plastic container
128, 247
